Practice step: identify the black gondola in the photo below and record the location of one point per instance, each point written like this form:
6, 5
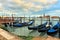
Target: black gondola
33, 28
54, 29
51, 31
20, 24
36, 27
43, 28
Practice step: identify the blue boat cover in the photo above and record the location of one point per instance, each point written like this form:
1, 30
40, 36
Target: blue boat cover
31, 22
23, 24
57, 25
18, 25
51, 30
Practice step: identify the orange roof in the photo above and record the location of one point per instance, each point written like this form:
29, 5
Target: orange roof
46, 16
54, 17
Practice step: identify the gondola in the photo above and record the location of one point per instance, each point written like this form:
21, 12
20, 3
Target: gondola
51, 31
43, 28
33, 28
24, 24
20, 24
54, 29
36, 27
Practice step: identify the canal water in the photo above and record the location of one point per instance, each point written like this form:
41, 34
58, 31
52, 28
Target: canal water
24, 31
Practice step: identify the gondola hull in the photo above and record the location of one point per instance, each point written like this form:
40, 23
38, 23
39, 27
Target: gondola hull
43, 28
19, 24
51, 32
32, 28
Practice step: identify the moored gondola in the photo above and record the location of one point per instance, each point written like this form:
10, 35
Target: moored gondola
54, 29
36, 27
51, 31
20, 24
33, 28
43, 28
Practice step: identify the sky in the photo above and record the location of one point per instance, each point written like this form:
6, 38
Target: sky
29, 7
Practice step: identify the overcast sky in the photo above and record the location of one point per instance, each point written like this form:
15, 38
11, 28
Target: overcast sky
29, 7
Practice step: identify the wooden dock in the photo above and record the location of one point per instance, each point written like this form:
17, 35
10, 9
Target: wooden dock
6, 19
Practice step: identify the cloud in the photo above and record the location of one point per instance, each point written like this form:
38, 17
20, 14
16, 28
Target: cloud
0, 4
46, 1
31, 5
26, 6
54, 13
4, 11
